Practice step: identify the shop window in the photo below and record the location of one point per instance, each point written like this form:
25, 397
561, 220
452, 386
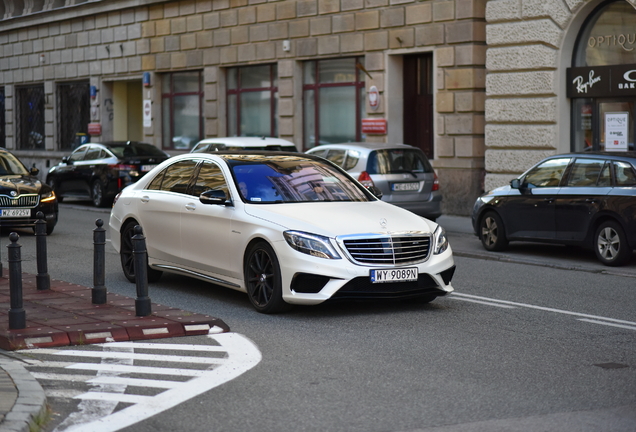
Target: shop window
252, 101
182, 112
333, 99
30, 117
3, 136
73, 110
602, 81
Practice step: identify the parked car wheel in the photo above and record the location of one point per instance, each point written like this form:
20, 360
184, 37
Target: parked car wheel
128, 258
263, 279
492, 232
610, 244
97, 194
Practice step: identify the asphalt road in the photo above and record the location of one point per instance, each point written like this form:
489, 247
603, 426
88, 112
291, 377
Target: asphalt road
517, 348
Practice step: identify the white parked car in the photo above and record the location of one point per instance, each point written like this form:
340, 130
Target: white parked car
285, 228
243, 143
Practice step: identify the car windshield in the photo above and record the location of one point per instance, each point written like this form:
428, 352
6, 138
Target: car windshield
289, 179
9, 164
392, 161
136, 149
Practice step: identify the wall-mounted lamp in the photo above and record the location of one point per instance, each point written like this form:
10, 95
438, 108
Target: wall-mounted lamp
286, 45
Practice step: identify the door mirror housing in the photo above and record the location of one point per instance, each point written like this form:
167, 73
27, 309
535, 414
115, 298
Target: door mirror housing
375, 191
216, 197
515, 183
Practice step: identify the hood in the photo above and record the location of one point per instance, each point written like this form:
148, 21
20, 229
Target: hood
332, 219
22, 184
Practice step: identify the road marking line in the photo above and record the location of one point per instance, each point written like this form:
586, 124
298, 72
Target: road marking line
171, 347
62, 394
486, 303
135, 382
113, 397
136, 356
243, 355
61, 377
608, 324
546, 309
138, 369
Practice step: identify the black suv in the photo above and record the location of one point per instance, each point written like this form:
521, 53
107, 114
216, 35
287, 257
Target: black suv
22, 195
584, 199
99, 171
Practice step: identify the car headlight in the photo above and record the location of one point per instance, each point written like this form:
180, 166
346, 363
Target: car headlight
47, 196
441, 241
311, 244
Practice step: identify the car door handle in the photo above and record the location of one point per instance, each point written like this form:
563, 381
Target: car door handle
191, 206
145, 199
591, 200
549, 200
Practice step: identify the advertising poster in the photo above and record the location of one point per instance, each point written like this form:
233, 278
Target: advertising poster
616, 127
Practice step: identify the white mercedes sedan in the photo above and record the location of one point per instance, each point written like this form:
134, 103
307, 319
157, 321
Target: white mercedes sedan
285, 228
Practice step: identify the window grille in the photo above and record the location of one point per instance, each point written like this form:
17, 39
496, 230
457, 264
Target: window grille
30, 118
3, 135
73, 113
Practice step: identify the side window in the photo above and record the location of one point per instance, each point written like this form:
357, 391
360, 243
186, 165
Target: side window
548, 174
605, 179
336, 156
624, 174
352, 159
210, 177
585, 172
177, 176
92, 153
79, 154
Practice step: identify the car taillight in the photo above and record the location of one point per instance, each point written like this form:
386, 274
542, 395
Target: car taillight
116, 198
435, 183
365, 179
122, 167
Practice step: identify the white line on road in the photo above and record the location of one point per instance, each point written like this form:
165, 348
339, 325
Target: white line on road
609, 324
171, 347
486, 303
61, 377
135, 382
542, 308
134, 356
113, 397
138, 369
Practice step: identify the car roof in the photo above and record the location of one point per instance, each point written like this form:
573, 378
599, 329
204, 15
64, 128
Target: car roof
246, 141
115, 143
363, 146
625, 156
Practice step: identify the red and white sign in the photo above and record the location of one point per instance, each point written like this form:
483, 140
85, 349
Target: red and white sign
374, 126
147, 113
374, 97
95, 129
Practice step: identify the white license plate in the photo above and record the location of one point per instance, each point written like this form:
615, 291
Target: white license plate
411, 186
394, 275
146, 168
16, 213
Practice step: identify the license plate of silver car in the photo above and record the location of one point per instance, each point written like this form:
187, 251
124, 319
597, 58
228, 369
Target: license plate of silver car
8, 213
410, 186
394, 275
146, 168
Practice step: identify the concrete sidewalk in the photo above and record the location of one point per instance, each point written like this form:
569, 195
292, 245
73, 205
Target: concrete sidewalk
22, 399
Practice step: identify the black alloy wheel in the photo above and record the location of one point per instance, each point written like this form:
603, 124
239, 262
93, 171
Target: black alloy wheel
128, 257
97, 194
263, 279
610, 244
492, 232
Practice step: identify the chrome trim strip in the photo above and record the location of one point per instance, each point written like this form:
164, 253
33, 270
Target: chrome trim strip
187, 272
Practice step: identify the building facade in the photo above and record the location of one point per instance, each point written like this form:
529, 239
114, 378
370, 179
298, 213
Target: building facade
561, 77
312, 71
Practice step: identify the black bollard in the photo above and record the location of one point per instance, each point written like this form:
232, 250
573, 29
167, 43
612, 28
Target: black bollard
142, 302
43, 280
98, 292
17, 315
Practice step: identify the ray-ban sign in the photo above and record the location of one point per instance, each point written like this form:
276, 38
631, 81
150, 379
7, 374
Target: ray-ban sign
601, 81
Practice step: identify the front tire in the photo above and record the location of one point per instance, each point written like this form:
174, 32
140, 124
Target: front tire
97, 194
610, 244
492, 232
128, 257
263, 279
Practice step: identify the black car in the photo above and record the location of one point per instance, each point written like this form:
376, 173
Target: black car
583, 199
99, 171
22, 195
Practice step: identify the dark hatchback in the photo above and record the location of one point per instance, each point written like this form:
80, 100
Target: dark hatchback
98, 171
583, 199
22, 195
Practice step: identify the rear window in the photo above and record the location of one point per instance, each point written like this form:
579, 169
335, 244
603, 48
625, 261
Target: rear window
394, 161
138, 149
624, 174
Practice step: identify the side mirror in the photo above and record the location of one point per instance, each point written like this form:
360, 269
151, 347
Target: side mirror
216, 197
375, 191
34, 171
515, 183
66, 159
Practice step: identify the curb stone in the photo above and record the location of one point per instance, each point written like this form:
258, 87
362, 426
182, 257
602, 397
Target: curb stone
31, 400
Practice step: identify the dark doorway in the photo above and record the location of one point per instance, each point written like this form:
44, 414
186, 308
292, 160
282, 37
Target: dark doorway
418, 102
